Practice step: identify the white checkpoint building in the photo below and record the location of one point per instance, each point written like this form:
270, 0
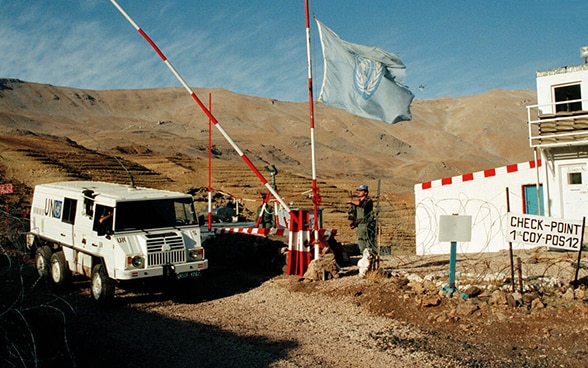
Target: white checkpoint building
555, 184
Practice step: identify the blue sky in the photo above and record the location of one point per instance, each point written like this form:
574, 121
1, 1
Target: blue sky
258, 48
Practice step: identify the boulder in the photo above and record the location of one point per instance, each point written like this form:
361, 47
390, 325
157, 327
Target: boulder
322, 268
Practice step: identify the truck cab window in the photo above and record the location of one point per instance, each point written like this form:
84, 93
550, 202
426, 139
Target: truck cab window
155, 214
104, 220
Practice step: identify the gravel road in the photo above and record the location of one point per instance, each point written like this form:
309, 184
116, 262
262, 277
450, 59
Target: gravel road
267, 326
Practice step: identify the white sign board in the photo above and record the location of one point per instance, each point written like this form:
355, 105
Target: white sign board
453, 228
548, 231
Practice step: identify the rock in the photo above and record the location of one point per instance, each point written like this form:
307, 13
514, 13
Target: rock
517, 299
498, 298
413, 277
537, 304
401, 282
430, 301
510, 301
529, 297
472, 291
583, 307
569, 294
417, 287
442, 319
467, 308
501, 316
322, 268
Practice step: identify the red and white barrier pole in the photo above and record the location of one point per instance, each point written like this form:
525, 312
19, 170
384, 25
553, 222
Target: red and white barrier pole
202, 107
210, 165
316, 199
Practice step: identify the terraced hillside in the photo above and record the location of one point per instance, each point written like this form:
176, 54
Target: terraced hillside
237, 180
45, 159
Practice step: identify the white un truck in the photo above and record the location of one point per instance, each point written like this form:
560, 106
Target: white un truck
112, 232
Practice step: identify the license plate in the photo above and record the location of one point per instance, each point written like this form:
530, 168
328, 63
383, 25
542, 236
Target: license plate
186, 275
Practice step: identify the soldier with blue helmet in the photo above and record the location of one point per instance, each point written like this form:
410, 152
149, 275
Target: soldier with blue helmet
363, 220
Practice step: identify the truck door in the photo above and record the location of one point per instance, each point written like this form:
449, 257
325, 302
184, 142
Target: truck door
103, 220
84, 233
68, 218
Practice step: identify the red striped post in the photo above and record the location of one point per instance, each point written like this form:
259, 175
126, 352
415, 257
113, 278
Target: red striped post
316, 199
210, 165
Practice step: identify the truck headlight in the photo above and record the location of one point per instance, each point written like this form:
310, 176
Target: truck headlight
137, 261
196, 254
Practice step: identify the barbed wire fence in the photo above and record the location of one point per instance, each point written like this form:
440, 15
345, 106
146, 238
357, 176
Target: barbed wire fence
529, 269
33, 320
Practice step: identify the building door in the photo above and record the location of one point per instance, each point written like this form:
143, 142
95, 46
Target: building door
531, 202
574, 191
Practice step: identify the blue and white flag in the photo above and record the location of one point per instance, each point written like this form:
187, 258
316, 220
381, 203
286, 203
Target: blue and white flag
365, 81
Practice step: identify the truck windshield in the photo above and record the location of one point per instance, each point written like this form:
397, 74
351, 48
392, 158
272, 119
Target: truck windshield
154, 214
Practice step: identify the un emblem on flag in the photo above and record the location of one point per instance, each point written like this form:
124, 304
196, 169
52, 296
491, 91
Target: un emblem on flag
367, 75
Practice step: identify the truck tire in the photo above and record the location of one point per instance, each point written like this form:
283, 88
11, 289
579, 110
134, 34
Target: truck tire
101, 286
60, 272
43, 261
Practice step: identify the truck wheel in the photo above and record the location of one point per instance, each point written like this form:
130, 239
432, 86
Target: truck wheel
43, 260
101, 286
60, 272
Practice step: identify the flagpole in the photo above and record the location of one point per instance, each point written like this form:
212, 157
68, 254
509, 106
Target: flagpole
202, 107
315, 191
210, 164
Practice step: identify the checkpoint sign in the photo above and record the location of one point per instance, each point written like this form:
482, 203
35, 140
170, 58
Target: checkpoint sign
548, 231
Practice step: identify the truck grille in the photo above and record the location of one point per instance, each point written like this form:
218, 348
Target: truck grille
165, 249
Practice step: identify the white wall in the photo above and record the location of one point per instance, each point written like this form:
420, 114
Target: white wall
481, 195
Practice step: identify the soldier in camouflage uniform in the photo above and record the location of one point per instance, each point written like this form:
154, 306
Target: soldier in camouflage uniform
362, 218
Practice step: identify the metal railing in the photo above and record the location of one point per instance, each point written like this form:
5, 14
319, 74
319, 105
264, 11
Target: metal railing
549, 127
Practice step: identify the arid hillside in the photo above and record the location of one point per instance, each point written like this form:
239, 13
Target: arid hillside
50, 133
446, 137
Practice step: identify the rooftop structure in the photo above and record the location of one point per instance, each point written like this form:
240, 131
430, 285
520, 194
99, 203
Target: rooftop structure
560, 118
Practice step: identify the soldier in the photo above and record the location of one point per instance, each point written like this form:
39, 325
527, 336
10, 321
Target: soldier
362, 218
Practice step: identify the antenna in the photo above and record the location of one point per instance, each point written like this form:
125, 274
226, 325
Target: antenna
127, 171
584, 53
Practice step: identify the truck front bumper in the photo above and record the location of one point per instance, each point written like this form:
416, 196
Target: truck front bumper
179, 271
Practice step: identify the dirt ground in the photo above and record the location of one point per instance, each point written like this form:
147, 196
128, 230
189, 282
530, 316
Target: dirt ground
255, 316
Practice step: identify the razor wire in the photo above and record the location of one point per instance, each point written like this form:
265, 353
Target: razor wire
537, 268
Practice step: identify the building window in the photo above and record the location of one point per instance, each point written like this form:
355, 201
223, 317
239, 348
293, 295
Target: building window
574, 178
568, 93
